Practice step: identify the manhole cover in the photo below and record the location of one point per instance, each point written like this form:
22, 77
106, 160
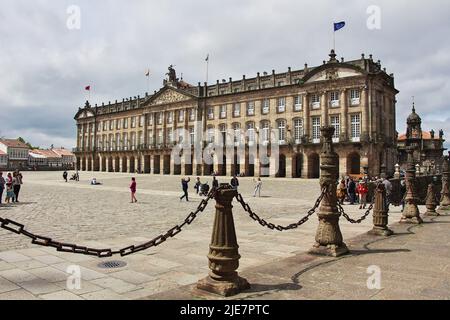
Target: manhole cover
112, 264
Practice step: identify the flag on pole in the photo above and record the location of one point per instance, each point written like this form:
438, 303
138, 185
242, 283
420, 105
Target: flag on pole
339, 25
207, 58
147, 74
88, 88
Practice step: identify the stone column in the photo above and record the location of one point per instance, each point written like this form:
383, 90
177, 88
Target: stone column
411, 213
380, 214
324, 105
128, 165
223, 256
161, 164
100, 165
152, 164
257, 167
329, 240
289, 167
431, 201
136, 164
445, 194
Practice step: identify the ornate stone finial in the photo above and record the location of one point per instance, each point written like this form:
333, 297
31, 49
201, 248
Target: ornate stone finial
87, 105
413, 105
332, 56
432, 133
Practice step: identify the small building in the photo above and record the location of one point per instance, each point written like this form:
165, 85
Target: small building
37, 160
68, 159
429, 146
17, 153
3, 160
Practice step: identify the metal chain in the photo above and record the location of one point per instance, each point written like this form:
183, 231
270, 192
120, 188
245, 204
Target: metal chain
272, 226
347, 217
18, 228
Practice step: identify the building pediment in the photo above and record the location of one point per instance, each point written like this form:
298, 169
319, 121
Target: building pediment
167, 96
84, 113
332, 72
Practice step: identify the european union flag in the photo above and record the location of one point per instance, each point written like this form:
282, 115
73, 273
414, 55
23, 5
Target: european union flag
339, 25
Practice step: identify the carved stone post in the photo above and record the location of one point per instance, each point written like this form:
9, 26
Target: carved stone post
445, 194
329, 240
223, 254
431, 201
411, 213
380, 213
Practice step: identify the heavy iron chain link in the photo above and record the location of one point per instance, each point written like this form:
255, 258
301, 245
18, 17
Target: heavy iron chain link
18, 228
347, 217
272, 226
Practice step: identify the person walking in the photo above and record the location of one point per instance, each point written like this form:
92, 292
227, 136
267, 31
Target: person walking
258, 185
65, 174
341, 190
77, 176
403, 193
215, 183
9, 189
351, 190
197, 185
2, 186
185, 186
234, 183
133, 190
363, 190
388, 187
17, 183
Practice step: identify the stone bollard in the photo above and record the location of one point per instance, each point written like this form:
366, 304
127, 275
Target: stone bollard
431, 201
411, 213
380, 214
445, 194
329, 241
223, 256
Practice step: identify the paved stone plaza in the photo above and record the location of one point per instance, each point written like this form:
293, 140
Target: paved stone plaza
102, 217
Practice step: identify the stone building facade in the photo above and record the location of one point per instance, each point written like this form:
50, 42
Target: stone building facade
285, 109
429, 146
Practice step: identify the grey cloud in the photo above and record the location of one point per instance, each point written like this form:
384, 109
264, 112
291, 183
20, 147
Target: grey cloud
46, 66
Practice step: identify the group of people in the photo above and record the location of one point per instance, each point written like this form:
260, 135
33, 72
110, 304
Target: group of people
11, 184
355, 192
202, 189
75, 176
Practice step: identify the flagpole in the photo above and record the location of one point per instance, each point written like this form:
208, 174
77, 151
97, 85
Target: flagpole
207, 68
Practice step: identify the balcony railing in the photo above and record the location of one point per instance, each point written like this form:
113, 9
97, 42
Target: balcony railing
355, 101
334, 103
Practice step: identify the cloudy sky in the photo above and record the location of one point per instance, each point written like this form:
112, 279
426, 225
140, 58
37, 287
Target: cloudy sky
45, 65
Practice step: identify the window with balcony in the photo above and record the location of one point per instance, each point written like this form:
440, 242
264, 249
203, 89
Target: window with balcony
180, 115
298, 130
281, 131
334, 99
298, 103
159, 137
141, 121
251, 132
169, 135
105, 124
336, 124
170, 117
150, 119
133, 122
210, 135
355, 98
355, 120
265, 107
236, 110
223, 133
191, 135
125, 123
223, 112
316, 129
191, 114
315, 101
237, 133
251, 108
119, 124
281, 104
160, 118
265, 132
210, 113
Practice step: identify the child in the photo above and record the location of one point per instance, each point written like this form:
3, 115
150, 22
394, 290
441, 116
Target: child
9, 192
362, 191
133, 190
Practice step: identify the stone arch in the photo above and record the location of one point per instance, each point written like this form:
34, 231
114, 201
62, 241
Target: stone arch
313, 166
89, 164
354, 163
124, 164
117, 164
281, 173
103, 165
132, 168
297, 165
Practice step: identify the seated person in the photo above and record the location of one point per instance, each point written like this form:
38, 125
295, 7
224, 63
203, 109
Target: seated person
94, 182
